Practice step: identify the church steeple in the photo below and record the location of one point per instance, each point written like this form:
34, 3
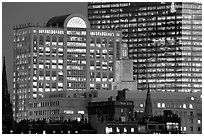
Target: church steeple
148, 104
4, 79
7, 113
4, 88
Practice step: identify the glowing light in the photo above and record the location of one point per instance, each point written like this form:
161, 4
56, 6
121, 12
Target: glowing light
173, 9
76, 22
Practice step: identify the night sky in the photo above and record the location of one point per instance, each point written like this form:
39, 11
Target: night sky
16, 13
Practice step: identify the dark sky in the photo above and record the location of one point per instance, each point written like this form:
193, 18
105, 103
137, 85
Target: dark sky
16, 13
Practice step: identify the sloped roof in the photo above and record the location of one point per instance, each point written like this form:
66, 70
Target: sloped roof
57, 21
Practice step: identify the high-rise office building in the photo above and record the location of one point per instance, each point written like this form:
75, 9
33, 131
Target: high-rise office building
63, 55
164, 41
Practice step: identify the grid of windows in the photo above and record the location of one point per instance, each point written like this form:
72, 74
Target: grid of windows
164, 41
101, 63
49, 59
21, 75
48, 54
76, 59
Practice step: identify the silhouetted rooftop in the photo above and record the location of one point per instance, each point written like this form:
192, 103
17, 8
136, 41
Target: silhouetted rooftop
57, 21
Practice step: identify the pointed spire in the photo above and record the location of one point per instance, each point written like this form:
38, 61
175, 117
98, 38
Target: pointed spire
7, 113
4, 79
148, 104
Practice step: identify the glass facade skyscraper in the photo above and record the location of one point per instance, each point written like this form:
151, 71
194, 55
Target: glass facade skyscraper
164, 41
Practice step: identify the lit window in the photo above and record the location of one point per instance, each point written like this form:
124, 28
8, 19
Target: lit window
159, 105
60, 49
47, 89
184, 106
109, 130
53, 89
184, 128
199, 121
117, 129
163, 105
47, 49
54, 61
125, 130
190, 106
35, 83
47, 78
192, 98
54, 78
91, 85
60, 84
141, 105
78, 119
98, 79
80, 112
104, 79
83, 62
41, 78
41, 66
40, 89
60, 72
132, 129
60, 67
34, 78
68, 111
34, 95
60, 61
54, 66
34, 89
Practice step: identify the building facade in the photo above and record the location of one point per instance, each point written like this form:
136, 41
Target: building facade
60, 106
187, 106
113, 116
164, 41
168, 123
63, 55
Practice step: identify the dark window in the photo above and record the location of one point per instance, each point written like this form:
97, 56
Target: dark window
98, 41
48, 39
41, 40
92, 40
54, 39
191, 128
34, 40
60, 39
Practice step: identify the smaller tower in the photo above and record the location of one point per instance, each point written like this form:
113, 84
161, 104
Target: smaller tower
124, 71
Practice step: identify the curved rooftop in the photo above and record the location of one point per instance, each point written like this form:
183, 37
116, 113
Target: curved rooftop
57, 21
69, 20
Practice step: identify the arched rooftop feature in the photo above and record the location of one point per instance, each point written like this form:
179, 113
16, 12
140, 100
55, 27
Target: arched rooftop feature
70, 20
57, 21
76, 22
